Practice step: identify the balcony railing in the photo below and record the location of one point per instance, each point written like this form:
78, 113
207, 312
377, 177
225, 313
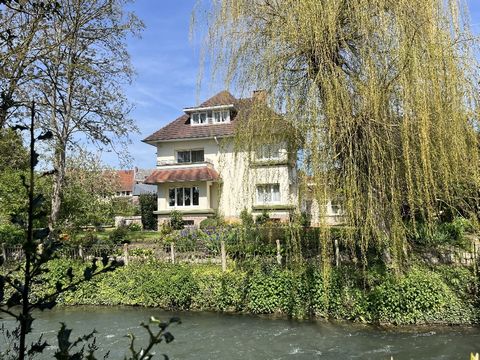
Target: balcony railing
173, 164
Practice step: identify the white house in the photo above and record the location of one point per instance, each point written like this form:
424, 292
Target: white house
199, 172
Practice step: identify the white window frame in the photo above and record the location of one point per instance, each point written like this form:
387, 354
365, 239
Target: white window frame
177, 189
269, 152
196, 118
223, 116
267, 194
190, 151
210, 117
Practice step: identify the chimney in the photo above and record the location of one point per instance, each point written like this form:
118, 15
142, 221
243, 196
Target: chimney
259, 95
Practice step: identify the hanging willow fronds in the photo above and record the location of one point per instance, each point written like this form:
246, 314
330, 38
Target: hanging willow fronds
381, 96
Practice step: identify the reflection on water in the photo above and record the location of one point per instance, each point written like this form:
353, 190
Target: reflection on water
217, 336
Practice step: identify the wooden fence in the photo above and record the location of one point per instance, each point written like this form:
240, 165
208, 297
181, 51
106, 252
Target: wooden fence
127, 253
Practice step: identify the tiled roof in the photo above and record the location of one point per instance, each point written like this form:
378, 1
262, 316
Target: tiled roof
222, 98
125, 180
181, 128
203, 173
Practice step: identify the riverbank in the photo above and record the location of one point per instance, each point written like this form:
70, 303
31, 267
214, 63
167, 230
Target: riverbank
424, 295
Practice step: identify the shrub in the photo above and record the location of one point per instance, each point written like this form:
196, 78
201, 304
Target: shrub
176, 220
119, 235
262, 218
148, 204
11, 234
421, 296
246, 218
86, 239
216, 220
266, 288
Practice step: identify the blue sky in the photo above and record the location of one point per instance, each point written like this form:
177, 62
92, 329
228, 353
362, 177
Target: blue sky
167, 65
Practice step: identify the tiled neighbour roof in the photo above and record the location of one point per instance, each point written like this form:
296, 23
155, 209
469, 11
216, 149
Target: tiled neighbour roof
125, 180
182, 175
181, 128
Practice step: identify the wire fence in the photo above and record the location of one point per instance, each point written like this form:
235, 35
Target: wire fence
281, 245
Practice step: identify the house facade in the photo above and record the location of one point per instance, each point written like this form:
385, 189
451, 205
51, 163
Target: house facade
199, 171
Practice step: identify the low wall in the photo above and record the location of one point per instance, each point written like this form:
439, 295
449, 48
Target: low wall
127, 220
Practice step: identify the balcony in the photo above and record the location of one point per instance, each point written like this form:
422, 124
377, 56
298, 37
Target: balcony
170, 165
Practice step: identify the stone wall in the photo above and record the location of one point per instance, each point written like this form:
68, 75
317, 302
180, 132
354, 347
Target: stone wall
127, 220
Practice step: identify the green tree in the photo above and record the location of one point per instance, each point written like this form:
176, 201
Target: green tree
40, 246
88, 192
148, 204
381, 97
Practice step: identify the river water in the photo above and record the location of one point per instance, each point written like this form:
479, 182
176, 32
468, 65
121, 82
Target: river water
219, 336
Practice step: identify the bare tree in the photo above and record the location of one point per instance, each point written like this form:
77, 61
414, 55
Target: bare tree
20, 24
81, 81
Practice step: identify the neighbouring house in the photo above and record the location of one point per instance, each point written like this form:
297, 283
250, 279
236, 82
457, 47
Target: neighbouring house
131, 183
199, 172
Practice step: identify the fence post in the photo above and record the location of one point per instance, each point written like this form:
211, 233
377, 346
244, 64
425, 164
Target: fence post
337, 254
4, 253
172, 252
279, 255
224, 256
80, 251
125, 254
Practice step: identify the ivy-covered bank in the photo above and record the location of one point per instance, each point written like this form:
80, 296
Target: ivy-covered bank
442, 295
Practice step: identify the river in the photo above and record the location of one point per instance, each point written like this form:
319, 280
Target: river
219, 336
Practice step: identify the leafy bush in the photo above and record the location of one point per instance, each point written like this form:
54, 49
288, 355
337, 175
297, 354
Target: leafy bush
86, 239
216, 220
119, 235
262, 218
11, 234
148, 204
209, 223
446, 233
176, 220
246, 218
421, 296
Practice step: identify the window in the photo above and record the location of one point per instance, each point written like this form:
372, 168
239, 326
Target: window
184, 156
221, 116
210, 117
268, 193
183, 196
199, 118
269, 152
124, 193
190, 156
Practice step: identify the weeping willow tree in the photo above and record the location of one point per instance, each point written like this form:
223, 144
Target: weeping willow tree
381, 98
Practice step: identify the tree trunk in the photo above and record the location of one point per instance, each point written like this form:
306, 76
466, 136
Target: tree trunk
58, 183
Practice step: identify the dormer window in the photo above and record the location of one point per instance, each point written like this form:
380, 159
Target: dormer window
199, 118
221, 116
210, 117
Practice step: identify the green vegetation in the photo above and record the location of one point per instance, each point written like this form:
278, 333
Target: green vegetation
148, 204
421, 296
380, 98
215, 221
176, 220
